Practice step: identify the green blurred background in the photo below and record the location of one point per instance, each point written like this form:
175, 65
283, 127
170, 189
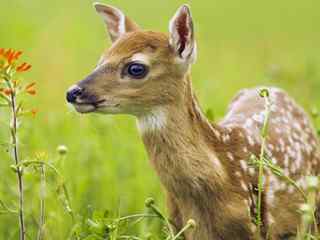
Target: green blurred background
241, 44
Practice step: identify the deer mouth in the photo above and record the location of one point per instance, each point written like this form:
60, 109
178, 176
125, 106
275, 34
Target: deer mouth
87, 107
98, 106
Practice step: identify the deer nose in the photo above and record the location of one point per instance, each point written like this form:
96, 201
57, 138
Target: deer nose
73, 93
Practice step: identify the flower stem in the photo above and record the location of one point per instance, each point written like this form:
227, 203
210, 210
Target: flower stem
264, 132
42, 203
14, 141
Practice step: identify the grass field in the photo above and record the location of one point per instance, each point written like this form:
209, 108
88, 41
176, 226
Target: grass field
241, 44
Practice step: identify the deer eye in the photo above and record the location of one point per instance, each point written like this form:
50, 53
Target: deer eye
136, 70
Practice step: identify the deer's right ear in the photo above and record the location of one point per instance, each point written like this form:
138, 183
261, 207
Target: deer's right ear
182, 34
117, 23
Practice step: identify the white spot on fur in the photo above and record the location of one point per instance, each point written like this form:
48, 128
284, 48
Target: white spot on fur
248, 124
270, 218
243, 165
251, 141
244, 186
290, 189
270, 146
230, 156
217, 165
278, 130
225, 138
282, 186
259, 117
252, 171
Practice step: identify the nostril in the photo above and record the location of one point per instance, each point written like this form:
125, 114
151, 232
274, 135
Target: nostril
73, 93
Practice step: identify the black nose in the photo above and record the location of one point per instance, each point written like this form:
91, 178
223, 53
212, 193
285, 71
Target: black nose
73, 93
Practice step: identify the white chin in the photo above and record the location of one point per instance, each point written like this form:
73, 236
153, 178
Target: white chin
84, 108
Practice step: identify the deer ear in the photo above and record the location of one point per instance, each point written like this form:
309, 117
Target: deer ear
117, 23
182, 34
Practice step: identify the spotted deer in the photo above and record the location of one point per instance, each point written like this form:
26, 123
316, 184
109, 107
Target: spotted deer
203, 166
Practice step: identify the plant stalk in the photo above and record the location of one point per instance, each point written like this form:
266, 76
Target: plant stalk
14, 141
42, 203
261, 158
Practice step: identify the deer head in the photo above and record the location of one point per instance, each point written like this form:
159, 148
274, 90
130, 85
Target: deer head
141, 70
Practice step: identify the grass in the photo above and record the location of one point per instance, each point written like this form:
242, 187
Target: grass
106, 168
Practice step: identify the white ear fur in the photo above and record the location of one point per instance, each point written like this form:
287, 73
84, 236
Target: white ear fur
182, 34
117, 23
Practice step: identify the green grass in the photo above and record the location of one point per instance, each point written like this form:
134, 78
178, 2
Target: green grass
241, 44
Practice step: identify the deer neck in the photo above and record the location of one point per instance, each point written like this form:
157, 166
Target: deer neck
180, 144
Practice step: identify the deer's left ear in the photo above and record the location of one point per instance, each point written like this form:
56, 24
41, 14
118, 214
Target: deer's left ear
182, 34
117, 23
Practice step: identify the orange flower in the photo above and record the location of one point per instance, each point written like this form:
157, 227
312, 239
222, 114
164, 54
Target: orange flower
17, 55
31, 85
7, 91
23, 67
9, 55
15, 82
34, 112
30, 88
31, 91
1, 51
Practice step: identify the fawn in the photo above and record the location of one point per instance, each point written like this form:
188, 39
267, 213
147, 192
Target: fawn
203, 166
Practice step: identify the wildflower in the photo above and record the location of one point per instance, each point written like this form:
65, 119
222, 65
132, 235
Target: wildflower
30, 85
23, 67
8, 91
17, 54
32, 91
9, 54
191, 223
264, 92
149, 202
30, 88
33, 112
62, 149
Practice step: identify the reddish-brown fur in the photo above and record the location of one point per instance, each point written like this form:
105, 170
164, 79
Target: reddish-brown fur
204, 166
